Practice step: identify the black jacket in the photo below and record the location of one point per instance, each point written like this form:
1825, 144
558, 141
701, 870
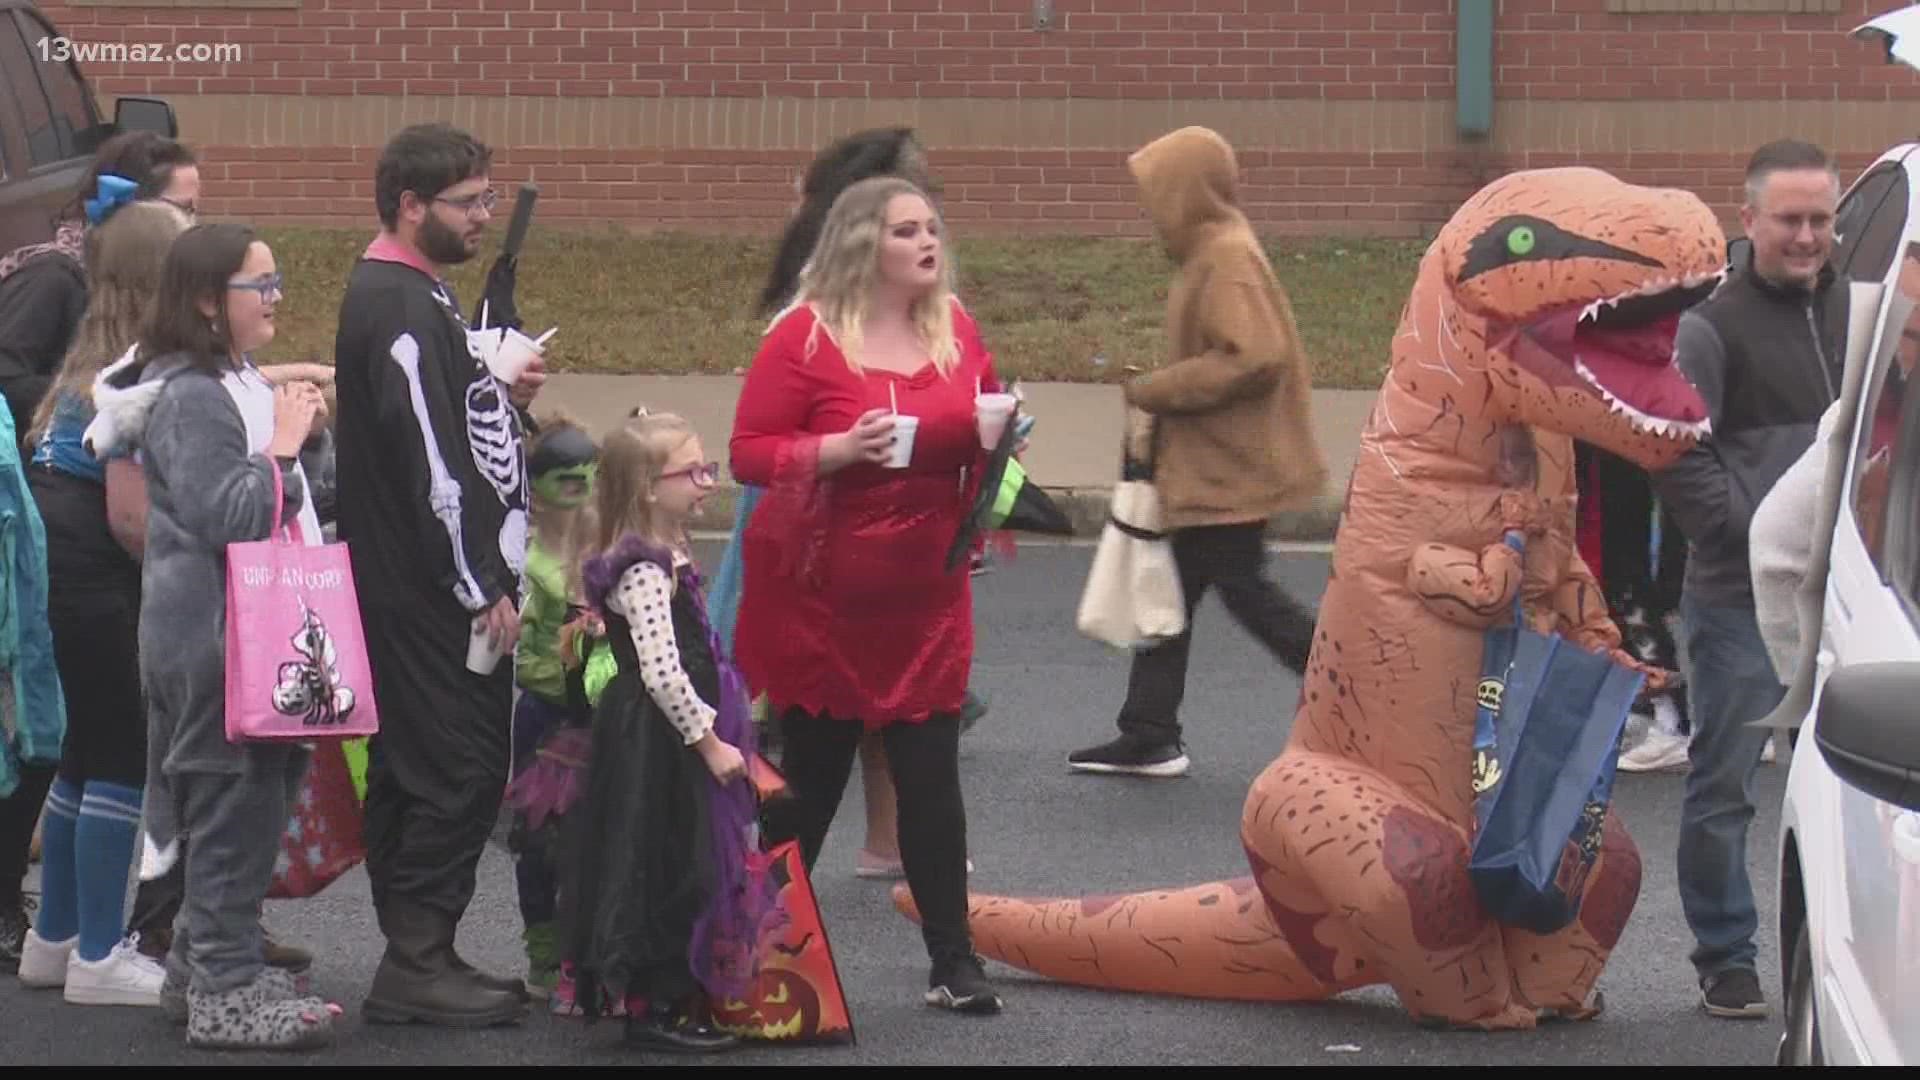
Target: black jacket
40, 309
1768, 361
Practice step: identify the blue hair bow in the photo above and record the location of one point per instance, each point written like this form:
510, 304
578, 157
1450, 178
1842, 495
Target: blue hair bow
112, 193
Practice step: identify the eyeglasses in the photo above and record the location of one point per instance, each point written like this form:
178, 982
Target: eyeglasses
266, 286
485, 200
705, 475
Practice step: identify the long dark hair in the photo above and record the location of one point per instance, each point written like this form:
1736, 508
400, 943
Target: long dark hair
199, 265
860, 156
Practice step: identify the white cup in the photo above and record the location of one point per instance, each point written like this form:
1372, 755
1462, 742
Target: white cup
901, 452
482, 657
515, 352
992, 411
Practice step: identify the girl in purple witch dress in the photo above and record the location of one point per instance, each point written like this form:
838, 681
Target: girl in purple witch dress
657, 908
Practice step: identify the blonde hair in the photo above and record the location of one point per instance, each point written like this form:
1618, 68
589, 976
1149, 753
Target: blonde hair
631, 461
839, 280
125, 257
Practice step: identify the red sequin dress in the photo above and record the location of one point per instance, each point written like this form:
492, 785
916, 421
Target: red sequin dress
847, 608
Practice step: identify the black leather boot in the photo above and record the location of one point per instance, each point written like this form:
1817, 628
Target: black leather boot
509, 983
417, 983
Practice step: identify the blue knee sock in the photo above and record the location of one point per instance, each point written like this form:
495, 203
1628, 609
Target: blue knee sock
59, 917
103, 845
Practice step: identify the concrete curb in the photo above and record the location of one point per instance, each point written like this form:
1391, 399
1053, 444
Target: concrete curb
1087, 509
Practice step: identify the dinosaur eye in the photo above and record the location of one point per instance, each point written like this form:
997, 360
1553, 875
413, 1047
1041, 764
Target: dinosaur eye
1520, 240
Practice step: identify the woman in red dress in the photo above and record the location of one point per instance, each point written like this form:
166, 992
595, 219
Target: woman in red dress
850, 621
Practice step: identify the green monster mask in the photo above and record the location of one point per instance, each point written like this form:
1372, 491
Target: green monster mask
566, 488
563, 467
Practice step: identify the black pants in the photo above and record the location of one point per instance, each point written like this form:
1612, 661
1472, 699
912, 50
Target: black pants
924, 758
437, 771
19, 813
93, 609
1228, 558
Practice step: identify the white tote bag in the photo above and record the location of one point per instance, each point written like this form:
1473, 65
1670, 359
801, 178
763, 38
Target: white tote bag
1133, 598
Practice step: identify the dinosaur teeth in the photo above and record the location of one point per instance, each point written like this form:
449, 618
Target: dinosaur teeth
1652, 425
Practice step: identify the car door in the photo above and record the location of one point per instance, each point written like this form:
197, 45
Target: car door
42, 169
1871, 968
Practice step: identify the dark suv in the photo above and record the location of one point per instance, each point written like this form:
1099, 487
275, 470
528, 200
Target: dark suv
49, 124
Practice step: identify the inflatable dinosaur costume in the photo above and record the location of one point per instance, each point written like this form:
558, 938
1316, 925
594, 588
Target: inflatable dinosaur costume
1544, 311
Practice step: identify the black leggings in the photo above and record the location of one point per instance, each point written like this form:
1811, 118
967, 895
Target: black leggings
817, 756
96, 645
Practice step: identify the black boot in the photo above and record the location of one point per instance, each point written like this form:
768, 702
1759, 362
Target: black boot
508, 983
417, 982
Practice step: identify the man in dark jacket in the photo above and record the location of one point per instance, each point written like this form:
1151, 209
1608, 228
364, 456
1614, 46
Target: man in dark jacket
1766, 352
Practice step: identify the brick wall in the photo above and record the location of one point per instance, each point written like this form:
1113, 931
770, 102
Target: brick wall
697, 112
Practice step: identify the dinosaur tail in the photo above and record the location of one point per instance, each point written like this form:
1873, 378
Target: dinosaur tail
1216, 940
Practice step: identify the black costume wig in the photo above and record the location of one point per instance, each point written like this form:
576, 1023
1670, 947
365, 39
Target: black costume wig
860, 156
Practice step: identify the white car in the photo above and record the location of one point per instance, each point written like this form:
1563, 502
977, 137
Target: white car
1849, 845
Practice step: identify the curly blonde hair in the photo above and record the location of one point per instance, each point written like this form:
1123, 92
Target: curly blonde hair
839, 281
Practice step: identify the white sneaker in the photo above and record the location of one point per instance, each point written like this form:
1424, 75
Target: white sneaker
43, 963
1766, 753
1658, 751
124, 977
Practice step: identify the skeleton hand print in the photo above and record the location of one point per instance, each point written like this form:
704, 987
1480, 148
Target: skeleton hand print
310, 687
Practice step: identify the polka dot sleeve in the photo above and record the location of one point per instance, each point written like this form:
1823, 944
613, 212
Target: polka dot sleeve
644, 598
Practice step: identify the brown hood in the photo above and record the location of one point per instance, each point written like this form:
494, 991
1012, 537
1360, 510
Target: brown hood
1186, 180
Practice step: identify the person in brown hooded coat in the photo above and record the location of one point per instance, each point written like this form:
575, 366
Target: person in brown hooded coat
1226, 429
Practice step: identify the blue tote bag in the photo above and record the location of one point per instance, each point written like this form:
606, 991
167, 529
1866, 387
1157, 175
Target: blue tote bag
1545, 742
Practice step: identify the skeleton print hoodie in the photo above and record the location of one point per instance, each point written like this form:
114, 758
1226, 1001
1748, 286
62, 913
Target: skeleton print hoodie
432, 476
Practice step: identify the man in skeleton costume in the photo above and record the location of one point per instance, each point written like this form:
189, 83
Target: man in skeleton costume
433, 503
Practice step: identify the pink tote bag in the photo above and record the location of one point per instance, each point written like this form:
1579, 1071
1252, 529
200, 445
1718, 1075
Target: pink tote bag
297, 664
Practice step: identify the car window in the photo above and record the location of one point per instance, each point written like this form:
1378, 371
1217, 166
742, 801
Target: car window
73, 116
1882, 429
21, 68
1869, 223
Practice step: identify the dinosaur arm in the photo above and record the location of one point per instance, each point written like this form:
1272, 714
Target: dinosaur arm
1583, 617
1582, 611
1471, 589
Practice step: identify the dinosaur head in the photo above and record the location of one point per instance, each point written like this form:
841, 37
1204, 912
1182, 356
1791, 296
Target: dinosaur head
1580, 280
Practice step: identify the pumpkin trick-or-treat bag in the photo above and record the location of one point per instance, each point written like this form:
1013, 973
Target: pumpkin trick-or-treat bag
795, 995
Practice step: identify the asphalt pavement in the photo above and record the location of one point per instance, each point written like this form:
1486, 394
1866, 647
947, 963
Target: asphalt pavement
1035, 829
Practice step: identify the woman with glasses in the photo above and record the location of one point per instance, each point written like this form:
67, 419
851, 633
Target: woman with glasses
43, 293
94, 513
219, 449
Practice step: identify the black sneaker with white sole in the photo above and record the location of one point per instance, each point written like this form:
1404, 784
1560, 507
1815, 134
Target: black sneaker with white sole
1734, 995
961, 984
1131, 756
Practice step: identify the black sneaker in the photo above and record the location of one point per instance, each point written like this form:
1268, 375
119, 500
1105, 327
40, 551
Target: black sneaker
677, 1033
1734, 995
1131, 756
15, 921
961, 985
